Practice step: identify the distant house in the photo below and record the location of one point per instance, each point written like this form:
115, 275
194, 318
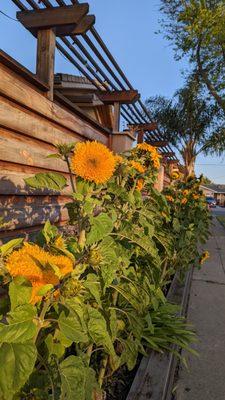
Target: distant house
216, 191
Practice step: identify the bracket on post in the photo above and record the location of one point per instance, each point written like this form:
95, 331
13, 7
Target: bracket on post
46, 24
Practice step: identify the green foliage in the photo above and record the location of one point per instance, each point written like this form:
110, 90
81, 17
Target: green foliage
189, 122
125, 249
196, 28
50, 180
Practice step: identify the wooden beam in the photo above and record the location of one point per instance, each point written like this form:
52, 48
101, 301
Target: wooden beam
116, 119
158, 143
82, 27
146, 127
46, 58
57, 17
175, 162
168, 154
119, 96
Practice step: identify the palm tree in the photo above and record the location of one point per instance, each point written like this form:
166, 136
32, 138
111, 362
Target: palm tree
189, 122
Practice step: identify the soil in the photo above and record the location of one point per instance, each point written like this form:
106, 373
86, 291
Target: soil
118, 387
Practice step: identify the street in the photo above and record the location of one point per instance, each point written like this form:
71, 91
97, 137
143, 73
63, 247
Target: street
218, 211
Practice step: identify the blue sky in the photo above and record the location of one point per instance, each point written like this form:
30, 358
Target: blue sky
128, 28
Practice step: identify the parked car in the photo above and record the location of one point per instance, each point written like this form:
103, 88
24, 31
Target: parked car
211, 201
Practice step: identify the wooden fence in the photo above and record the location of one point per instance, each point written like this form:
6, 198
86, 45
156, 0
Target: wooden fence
30, 125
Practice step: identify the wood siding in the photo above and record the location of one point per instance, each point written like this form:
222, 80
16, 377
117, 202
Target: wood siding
30, 125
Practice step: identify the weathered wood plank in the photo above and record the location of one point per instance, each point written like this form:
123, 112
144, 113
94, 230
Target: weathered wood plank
17, 89
19, 119
27, 232
26, 211
46, 58
12, 180
119, 96
21, 149
8, 61
55, 17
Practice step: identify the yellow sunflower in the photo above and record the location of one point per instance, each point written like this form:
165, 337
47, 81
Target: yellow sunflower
196, 196
169, 198
146, 147
118, 159
175, 175
34, 263
140, 184
154, 155
139, 167
204, 257
93, 161
184, 201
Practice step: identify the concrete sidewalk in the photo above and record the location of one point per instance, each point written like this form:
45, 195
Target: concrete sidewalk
206, 311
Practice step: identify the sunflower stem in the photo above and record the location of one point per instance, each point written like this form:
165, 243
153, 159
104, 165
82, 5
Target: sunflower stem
73, 183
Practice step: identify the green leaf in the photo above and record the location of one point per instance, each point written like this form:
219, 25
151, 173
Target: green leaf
72, 328
130, 354
49, 232
17, 362
45, 289
55, 155
48, 180
97, 329
78, 380
21, 327
93, 285
54, 347
101, 226
19, 292
7, 248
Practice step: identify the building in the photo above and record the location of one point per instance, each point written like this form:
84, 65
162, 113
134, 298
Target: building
216, 191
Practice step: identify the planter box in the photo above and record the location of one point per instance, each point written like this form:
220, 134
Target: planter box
155, 376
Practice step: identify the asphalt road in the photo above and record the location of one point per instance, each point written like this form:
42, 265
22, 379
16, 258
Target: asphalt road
218, 211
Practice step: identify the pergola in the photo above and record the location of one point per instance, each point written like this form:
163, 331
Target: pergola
67, 26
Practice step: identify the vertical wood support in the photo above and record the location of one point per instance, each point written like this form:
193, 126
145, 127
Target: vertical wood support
46, 58
140, 137
116, 120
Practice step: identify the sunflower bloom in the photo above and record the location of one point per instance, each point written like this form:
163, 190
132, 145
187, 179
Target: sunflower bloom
204, 257
136, 165
169, 198
93, 161
184, 201
154, 155
196, 196
118, 159
34, 263
185, 192
140, 184
175, 175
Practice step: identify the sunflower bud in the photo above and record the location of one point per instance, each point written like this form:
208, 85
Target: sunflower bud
72, 287
95, 257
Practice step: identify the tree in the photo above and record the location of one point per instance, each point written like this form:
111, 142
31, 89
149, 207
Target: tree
189, 122
205, 180
197, 30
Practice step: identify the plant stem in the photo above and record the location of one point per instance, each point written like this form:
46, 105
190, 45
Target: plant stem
73, 184
42, 318
82, 238
89, 352
102, 370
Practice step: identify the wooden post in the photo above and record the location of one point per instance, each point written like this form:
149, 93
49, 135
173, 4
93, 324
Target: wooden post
140, 137
46, 58
116, 120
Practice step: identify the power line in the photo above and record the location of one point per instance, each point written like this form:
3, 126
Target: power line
8, 16
206, 165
